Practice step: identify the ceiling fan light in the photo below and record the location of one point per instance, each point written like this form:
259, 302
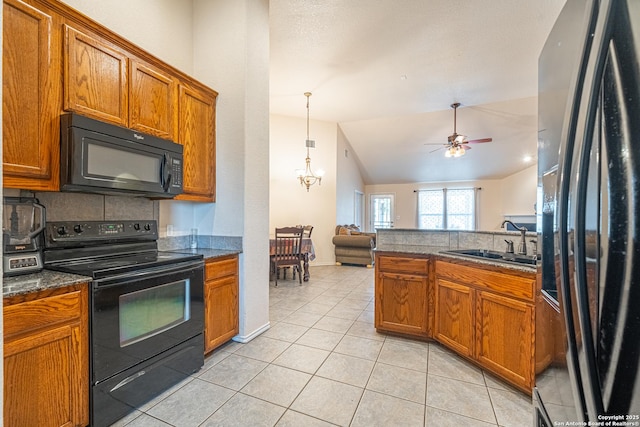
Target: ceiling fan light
448, 152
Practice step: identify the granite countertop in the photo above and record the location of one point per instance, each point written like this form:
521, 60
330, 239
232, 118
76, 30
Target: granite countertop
438, 250
46, 279
207, 253
504, 264
410, 249
34, 282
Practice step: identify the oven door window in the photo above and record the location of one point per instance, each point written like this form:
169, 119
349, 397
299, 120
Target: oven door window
151, 311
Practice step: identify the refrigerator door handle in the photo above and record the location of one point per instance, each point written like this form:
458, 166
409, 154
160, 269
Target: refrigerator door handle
585, 126
619, 356
565, 174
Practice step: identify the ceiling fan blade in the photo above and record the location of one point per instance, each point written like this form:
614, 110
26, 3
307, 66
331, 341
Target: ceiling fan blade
460, 138
433, 151
477, 141
465, 147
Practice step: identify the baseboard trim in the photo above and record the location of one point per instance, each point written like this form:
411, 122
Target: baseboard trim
243, 339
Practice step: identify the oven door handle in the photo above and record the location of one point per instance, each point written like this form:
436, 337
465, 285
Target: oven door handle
127, 380
148, 273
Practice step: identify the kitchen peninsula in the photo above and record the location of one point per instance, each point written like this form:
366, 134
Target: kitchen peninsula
483, 309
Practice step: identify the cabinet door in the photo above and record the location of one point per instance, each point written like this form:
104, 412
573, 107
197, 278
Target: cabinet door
401, 304
196, 132
504, 337
152, 101
95, 78
454, 318
31, 97
46, 359
221, 311
39, 373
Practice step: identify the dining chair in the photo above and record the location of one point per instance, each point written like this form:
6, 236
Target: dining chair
306, 233
288, 253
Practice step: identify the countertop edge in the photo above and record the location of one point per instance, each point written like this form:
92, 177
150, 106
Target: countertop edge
439, 251
47, 279
41, 281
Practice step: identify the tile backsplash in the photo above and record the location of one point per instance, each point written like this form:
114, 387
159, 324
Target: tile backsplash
447, 240
96, 207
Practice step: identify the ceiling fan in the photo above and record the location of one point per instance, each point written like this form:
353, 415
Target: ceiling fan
456, 145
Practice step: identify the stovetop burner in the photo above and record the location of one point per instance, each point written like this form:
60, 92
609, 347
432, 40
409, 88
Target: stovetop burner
102, 267
100, 249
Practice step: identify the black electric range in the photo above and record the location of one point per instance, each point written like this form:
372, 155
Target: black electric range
146, 310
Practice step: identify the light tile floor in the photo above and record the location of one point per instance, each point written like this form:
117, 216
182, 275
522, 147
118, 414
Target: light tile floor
322, 363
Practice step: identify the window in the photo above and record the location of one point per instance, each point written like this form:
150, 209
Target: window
447, 209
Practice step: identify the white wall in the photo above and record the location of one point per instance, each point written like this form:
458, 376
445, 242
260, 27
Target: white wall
490, 215
231, 45
289, 202
349, 180
513, 195
519, 192
161, 27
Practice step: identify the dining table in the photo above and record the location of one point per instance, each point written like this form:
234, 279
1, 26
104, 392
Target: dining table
307, 250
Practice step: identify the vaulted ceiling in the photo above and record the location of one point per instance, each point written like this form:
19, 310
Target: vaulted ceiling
387, 72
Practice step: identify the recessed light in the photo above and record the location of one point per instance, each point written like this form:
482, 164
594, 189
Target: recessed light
527, 159
403, 77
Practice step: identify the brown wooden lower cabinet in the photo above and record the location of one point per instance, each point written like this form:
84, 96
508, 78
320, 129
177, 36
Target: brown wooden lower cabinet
504, 342
487, 315
221, 321
46, 358
402, 295
454, 316
482, 312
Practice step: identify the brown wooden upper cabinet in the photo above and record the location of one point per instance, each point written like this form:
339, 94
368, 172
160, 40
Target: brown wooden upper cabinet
196, 126
31, 97
95, 78
105, 83
152, 100
105, 77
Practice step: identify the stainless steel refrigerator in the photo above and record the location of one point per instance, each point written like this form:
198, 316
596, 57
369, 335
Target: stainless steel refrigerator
588, 300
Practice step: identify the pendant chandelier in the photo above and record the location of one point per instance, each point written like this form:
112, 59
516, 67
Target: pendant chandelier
306, 176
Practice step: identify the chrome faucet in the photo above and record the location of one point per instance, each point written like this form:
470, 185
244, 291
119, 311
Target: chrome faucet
522, 247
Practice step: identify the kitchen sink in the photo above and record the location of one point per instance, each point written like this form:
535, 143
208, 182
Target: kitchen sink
494, 255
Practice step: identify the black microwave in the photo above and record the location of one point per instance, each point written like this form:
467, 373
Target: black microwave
98, 157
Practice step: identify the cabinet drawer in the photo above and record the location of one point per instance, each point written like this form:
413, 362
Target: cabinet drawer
403, 265
481, 278
221, 268
41, 313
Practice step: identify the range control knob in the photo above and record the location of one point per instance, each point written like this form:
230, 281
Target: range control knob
147, 226
78, 228
62, 230
136, 226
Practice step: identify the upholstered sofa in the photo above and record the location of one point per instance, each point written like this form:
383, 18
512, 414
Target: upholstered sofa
353, 246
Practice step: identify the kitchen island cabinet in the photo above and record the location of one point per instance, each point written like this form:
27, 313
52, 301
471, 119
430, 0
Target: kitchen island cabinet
46, 358
402, 295
221, 322
486, 313
483, 311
